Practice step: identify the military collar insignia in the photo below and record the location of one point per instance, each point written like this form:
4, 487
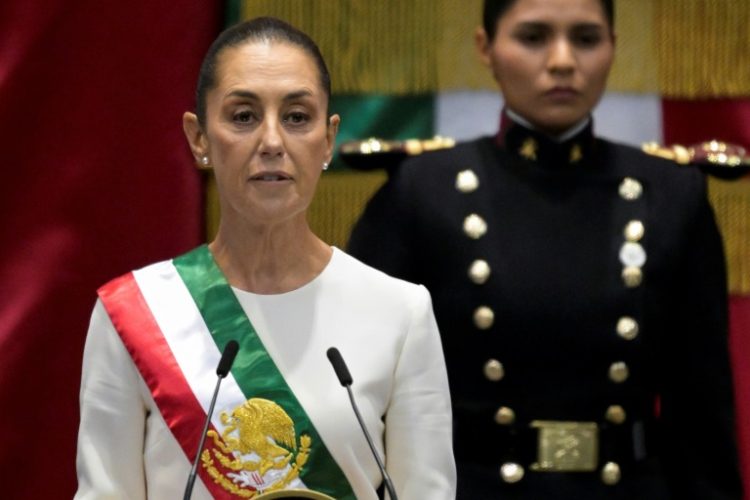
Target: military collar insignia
576, 153
528, 149
536, 147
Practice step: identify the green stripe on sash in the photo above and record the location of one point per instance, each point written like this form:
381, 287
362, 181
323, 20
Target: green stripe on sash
253, 369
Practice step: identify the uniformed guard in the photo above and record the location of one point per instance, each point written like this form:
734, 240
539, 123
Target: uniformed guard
579, 285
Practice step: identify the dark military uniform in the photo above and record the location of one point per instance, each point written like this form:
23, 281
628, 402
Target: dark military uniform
580, 292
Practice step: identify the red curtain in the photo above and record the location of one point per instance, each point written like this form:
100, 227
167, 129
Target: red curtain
97, 180
689, 122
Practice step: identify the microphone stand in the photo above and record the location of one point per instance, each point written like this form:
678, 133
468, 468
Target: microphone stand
225, 364
345, 379
194, 469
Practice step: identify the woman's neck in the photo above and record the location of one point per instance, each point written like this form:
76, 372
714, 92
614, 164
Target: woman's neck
571, 132
269, 259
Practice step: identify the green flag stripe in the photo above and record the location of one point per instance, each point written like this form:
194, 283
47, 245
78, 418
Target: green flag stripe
383, 116
232, 12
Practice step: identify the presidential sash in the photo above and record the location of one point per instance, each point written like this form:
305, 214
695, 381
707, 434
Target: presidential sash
175, 317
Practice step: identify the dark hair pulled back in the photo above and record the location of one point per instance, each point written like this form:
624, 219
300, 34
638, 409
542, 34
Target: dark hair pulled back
266, 29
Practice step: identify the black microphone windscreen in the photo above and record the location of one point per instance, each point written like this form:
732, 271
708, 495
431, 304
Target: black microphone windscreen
227, 358
342, 372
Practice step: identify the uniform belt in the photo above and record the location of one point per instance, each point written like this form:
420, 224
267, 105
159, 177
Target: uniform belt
565, 446
568, 446
561, 446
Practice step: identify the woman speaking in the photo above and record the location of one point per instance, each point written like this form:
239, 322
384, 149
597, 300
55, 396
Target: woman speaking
282, 421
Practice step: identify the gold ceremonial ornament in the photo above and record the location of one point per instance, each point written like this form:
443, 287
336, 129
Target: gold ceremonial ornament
618, 372
511, 472
479, 271
528, 149
615, 414
467, 181
718, 158
676, 152
566, 446
611, 473
494, 370
474, 226
576, 154
634, 231
630, 189
505, 416
258, 439
632, 276
484, 317
374, 153
627, 328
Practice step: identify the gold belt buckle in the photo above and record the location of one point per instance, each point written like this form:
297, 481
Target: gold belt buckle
566, 446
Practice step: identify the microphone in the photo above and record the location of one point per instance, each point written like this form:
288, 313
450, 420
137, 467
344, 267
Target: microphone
225, 363
345, 378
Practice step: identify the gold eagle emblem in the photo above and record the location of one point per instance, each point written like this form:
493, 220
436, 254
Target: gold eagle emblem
257, 449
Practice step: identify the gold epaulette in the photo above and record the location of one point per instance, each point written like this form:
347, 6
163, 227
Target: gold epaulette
721, 159
374, 153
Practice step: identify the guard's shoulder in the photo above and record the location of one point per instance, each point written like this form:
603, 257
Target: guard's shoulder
720, 159
375, 153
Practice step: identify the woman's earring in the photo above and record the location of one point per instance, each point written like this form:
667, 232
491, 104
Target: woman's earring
203, 163
325, 165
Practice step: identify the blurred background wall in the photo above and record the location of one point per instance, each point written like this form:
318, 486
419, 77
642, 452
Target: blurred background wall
96, 180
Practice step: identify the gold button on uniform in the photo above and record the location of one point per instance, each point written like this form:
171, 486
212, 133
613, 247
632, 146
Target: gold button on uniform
630, 189
511, 472
611, 473
505, 416
484, 317
627, 328
467, 181
634, 230
615, 414
479, 271
494, 370
474, 226
618, 372
632, 276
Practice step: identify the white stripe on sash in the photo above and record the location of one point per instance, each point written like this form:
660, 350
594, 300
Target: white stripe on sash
188, 337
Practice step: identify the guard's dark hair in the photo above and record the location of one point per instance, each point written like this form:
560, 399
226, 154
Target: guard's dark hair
494, 10
266, 29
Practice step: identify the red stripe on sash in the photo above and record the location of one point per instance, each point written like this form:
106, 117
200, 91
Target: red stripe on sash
151, 354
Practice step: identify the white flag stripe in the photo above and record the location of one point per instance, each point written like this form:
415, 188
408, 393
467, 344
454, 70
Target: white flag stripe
627, 118
188, 337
